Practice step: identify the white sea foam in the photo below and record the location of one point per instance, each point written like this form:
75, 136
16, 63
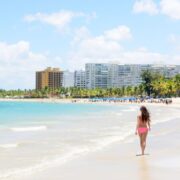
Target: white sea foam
101, 143
75, 152
9, 145
157, 121
61, 159
128, 110
19, 172
26, 129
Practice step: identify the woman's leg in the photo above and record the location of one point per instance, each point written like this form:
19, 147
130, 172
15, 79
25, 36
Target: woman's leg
141, 142
143, 146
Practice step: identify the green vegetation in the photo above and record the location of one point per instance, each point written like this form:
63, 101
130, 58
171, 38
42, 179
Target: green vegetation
153, 84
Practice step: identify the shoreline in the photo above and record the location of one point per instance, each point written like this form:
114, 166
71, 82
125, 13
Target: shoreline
121, 160
175, 101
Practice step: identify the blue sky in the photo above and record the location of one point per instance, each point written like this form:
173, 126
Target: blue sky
68, 34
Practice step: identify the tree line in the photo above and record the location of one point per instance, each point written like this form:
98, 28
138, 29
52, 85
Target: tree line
153, 84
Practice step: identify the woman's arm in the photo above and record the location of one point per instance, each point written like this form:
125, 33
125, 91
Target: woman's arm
149, 125
137, 125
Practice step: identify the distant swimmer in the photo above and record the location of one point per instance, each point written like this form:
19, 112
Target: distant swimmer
143, 126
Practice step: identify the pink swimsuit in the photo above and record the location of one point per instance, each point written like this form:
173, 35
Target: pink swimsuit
142, 130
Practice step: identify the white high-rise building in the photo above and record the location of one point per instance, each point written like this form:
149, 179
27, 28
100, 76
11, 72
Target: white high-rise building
112, 75
79, 79
166, 70
104, 75
130, 74
97, 75
68, 79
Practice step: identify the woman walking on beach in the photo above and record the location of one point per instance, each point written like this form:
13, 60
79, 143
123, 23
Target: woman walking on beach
142, 127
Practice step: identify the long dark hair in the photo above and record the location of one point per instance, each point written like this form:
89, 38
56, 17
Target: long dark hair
145, 116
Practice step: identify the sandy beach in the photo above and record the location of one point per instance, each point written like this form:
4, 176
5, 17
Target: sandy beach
120, 161
175, 101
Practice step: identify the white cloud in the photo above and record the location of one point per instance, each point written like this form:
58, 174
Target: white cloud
80, 34
13, 51
171, 8
104, 48
142, 56
18, 65
58, 19
145, 6
118, 34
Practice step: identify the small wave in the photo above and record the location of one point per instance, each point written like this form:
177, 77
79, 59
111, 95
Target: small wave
127, 110
26, 129
101, 143
158, 121
44, 164
59, 160
8, 145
